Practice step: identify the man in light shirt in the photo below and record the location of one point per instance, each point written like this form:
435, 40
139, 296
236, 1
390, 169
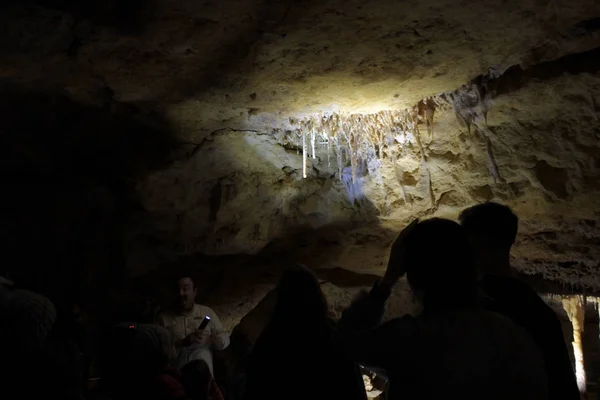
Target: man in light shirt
183, 322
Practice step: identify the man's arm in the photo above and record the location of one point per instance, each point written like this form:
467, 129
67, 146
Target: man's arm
357, 336
360, 339
160, 320
379, 347
366, 311
219, 337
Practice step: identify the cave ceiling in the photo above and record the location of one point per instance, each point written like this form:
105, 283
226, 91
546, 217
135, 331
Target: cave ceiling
236, 82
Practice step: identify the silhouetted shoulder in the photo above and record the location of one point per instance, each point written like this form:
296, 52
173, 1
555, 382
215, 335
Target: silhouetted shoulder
516, 358
486, 351
515, 294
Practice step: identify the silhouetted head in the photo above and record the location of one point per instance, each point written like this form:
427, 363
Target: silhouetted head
300, 300
440, 264
152, 349
492, 228
196, 379
27, 319
187, 291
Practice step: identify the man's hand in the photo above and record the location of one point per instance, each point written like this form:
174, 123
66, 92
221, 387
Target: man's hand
396, 264
201, 337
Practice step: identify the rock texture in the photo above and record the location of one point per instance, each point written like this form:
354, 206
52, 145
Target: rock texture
547, 172
517, 91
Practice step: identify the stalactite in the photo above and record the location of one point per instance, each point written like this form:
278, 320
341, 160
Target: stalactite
415, 129
348, 137
471, 104
365, 136
575, 308
340, 158
312, 139
492, 165
596, 302
303, 154
293, 139
398, 173
598, 310
429, 113
380, 143
328, 152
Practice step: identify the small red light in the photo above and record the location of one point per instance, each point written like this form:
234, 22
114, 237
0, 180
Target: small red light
131, 326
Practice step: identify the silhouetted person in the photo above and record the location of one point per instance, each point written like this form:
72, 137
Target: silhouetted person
114, 365
34, 361
149, 360
454, 348
493, 229
294, 357
198, 382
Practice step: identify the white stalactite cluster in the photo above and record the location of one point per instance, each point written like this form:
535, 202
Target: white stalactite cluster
575, 308
360, 138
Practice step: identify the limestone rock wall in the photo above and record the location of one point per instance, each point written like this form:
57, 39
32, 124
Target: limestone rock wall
241, 190
227, 79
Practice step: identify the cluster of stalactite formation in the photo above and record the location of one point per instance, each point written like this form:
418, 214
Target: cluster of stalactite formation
357, 139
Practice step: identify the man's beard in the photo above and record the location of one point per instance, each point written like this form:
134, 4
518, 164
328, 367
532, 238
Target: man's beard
185, 304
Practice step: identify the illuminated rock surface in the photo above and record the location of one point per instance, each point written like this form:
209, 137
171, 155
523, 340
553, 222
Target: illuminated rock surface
232, 82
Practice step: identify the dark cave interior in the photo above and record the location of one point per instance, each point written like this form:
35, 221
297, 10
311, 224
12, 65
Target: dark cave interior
141, 138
